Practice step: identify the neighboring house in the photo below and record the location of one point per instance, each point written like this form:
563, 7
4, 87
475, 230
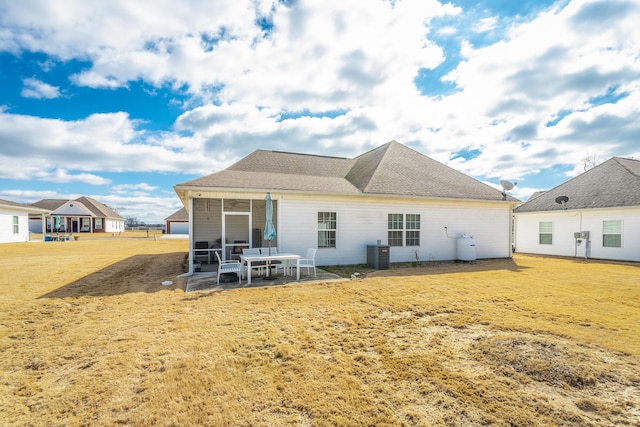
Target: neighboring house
14, 221
391, 194
82, 215
177, 222
596, 214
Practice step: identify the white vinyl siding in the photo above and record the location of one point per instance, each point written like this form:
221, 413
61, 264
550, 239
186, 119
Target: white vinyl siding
545, 233
612, 233
566, 223
14, 226
363, 221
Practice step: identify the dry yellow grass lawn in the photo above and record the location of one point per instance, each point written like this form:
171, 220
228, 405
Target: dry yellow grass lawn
89, 336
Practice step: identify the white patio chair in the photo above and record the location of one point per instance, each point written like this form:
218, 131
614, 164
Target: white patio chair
308, 262
265, 250
259, 266
231, 266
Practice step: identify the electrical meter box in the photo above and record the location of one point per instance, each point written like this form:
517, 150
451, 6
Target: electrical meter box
576, 235
584, 234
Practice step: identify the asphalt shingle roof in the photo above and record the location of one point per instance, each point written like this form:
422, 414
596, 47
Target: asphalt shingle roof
179, 215
21, 206
96, 208
614, 183
392, 169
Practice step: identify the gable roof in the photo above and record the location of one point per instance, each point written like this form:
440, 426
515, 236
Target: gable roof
98, 209
391, 169
179, 215
614, 183
91, 206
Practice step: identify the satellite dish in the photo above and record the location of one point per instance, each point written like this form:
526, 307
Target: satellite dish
561, 200
506, 186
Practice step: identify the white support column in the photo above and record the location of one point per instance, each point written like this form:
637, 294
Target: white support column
191, 236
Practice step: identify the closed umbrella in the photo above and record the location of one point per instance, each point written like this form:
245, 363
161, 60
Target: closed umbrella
58, 222
269, 229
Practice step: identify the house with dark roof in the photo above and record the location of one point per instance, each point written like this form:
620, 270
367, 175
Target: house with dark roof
392, 195
14, 220
82, 215
594, 215
177, 222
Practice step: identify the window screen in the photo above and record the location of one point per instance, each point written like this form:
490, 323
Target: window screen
545, 232
612, 233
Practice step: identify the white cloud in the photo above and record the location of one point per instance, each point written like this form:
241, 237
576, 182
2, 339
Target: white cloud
101, 142
63, 176
142, 187
34, 88
486, 24
358, 58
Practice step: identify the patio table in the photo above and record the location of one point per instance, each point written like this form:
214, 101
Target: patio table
268, 258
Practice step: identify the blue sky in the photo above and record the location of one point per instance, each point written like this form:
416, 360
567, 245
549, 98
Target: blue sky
121, 101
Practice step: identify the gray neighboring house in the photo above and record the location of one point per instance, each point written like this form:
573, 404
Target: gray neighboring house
391, 194
596, 214
177, 222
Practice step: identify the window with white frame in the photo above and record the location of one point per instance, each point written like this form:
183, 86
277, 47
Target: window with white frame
395, 225
612, 233
545, 232
327, 225
403, 230
98, 223
86, 224
16, 225
412, 229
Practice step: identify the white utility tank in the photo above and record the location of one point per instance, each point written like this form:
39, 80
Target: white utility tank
466, 247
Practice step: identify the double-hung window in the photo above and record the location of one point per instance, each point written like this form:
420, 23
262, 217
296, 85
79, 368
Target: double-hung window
545, 232
16, 225
327, 225
612, 233
403, 230
98, 223
412, 229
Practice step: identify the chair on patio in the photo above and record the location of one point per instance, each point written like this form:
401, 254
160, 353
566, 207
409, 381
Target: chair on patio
199, 256
273, 250
308, 262
256, 265
231, 266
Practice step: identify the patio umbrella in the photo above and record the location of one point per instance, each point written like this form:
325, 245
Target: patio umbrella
269, 229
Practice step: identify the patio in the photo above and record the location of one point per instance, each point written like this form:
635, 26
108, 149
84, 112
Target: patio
206, 281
